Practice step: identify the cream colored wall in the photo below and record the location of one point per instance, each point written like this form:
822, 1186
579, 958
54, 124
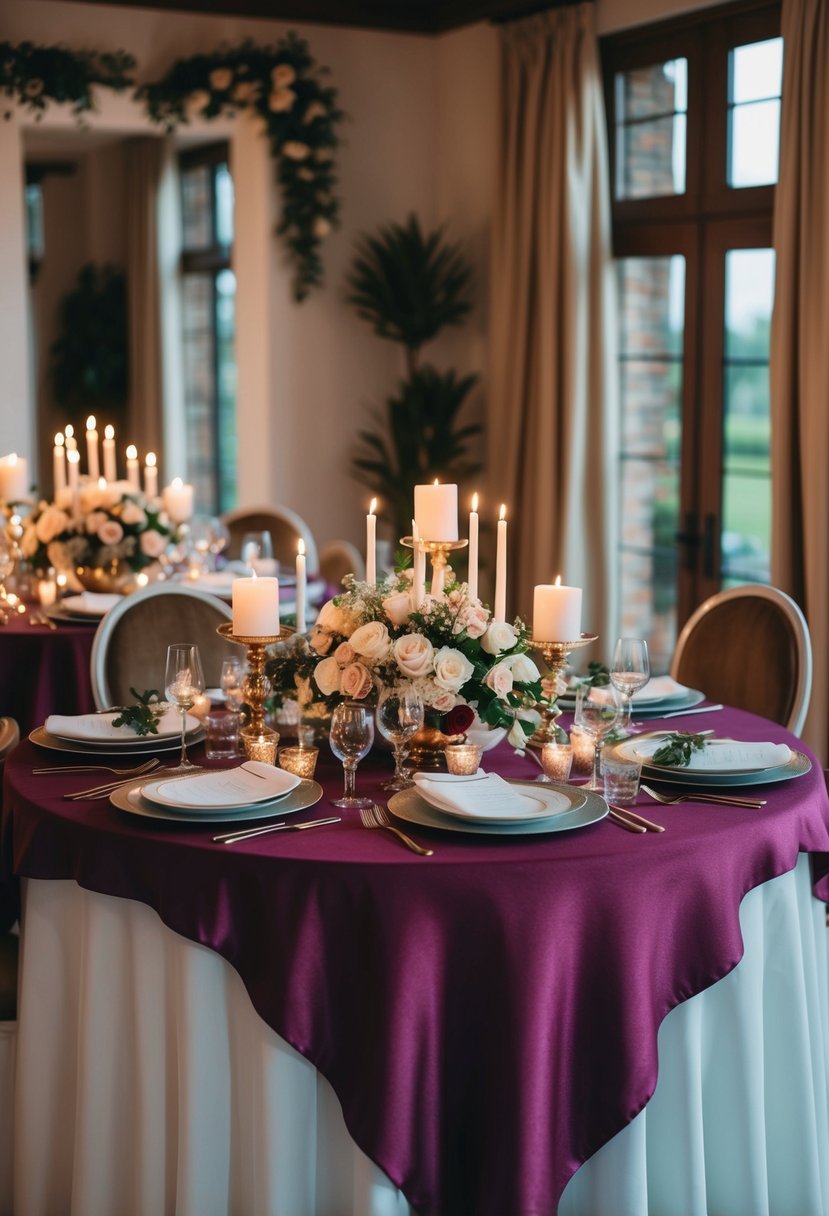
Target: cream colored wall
614, 15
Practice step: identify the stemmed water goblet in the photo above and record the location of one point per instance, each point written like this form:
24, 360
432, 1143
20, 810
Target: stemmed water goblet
183, 683
629, 671
597, 716
257, 553
351, 735
399, 716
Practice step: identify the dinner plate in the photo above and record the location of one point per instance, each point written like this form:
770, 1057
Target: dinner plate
652, 709
170, 743
129, 798
542, 802
585, 808
62, 616
172, 730
798, 765
276, 784
88, 607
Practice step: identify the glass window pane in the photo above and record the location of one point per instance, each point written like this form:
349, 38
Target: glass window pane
648, 558
224, 206
652, 313
749, 295
747, 423
756, 70
199, 385
226, 387
651, 130
754, 144
746, 534
196, 207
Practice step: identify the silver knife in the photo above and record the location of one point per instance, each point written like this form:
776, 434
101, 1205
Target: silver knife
685, 713
232, 837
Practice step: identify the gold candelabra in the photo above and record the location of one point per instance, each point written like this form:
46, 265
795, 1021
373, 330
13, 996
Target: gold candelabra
438, 551
556, 655
258, 738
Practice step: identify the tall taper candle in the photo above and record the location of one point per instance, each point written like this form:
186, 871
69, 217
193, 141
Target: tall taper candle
110, 466
500, 613
93, 466
71, 441
301, 586
150, 476
59, 464
419, 569
371, 543
472, 581
133, 474
73, 460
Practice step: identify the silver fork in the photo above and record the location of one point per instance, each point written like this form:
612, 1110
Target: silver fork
721, 799
97, 768
375, 817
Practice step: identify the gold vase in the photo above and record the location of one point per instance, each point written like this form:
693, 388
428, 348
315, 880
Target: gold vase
426, 748
115, 579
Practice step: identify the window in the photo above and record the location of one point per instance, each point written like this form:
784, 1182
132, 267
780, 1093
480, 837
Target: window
693, 111
208, 316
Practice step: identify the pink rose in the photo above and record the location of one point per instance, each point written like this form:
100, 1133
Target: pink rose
444, 702
397, 607
327, 676
345, 654
356, 682
51, 523
320, 641
474, 618
152, 543
110, 532
499, 679
413, 654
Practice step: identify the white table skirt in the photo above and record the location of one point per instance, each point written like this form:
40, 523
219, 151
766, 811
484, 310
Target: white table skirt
146, 1084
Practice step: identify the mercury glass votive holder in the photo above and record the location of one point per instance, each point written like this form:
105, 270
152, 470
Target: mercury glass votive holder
302, 761
557, 760
462, 758
583, 749
261, 747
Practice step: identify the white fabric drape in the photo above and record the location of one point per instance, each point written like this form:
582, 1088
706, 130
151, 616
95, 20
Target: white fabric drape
799, 350
553, 412
146, 1083
144, 168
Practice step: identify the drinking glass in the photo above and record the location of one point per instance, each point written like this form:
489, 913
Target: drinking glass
232, 684
351, 736
399, 716
596, 715
183, 683
7, 559
219, 539
629, 671
257, 552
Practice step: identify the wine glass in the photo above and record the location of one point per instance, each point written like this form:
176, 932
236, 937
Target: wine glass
7, 559
629, 671
257, 552
597, 715
219, 539
351, 736
399, 716
183, 682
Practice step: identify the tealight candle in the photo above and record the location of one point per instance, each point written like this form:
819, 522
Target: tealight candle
14, 478
110, 468
500, 612
436, 511
59, 464
301, 586
133, 474
583, 750
150, 476
47, 589
301, 761
178, 500
255, 607
93, 467
472, 581
462, 758
557, 760
556, 613
371, 543
262, 748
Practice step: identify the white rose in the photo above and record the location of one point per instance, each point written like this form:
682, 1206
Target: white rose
281, 100
499, 637
356, 681
152, 543
397, 607
133, 515
523, 669
94, 520
197, 101
283, 75
344, 654
372, 641
516, 737
221, 79
321, 227
474, 618
51, 523
110, 532
499, 679
327, 676
320, 641
444, 701
333, 618
452, 668
413, 654
315, 110
294, 150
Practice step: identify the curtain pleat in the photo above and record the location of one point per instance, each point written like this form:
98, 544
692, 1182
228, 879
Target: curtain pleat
144, 167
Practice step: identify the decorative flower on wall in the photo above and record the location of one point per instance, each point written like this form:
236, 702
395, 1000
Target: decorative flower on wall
33, 76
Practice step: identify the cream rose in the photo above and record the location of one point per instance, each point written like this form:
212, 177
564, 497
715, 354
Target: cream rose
320, 641
499, 637
281, 100
499, 679
152, 543
413, 654
372, 641
397, 607
444, 701
344, 654
474, 618
452, 668
327, 676
517, 737
94, 520
295, 150
221, 79
315, 110
321, 227
110, 532
51, 523
523, 668
356, 681
133, 515
282, 75
333, 618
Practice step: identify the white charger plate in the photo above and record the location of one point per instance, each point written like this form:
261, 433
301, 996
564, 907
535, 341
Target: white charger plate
798, 765
547, 802
586, 808
151, 744
154, 791
129, 799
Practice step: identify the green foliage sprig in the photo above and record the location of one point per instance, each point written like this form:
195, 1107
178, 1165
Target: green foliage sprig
678, 749
145, 715
33, 76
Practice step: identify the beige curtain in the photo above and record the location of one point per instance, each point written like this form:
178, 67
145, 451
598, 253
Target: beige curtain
553, 410
799, 346
144, 167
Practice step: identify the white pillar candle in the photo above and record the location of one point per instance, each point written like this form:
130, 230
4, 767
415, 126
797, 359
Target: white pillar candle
73, 462
110, 468
301, 586
93, 466
500, 613
419, 570
472, 581
255, 607
59, 465
436, 511
556, 613
71, 441
371, 543
14, 477
178, 500
133, 471
150, 476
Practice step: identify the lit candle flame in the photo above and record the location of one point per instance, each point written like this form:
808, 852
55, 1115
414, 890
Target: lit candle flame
437, 483
373, 506
502, 514
102, 483
73, 456
176, 483
557, 583
150, 461
59, 440
474, 502
300, 546
12, 459
90, 422
69, 431
109, 432
132, 452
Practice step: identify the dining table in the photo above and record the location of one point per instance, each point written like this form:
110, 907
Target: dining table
44, 666
590, 1022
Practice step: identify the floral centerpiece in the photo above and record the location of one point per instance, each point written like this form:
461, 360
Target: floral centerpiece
450, 648
106, 527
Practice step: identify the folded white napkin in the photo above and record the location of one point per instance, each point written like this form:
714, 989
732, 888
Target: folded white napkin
98, 728
251, 782
724, 755
90, 603
659, 688
487, 798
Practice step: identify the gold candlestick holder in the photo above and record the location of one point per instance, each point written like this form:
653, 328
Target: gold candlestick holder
556, 655
438, 551
257, 737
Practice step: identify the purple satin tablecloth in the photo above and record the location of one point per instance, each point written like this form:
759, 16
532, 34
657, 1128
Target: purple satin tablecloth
488, 1016
44, 671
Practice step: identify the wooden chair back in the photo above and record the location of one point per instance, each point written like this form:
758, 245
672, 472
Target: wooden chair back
285, 527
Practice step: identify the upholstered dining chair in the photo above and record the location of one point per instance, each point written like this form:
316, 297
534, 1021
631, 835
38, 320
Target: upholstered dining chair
749, 647
130, 645
285, 527
339, 558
